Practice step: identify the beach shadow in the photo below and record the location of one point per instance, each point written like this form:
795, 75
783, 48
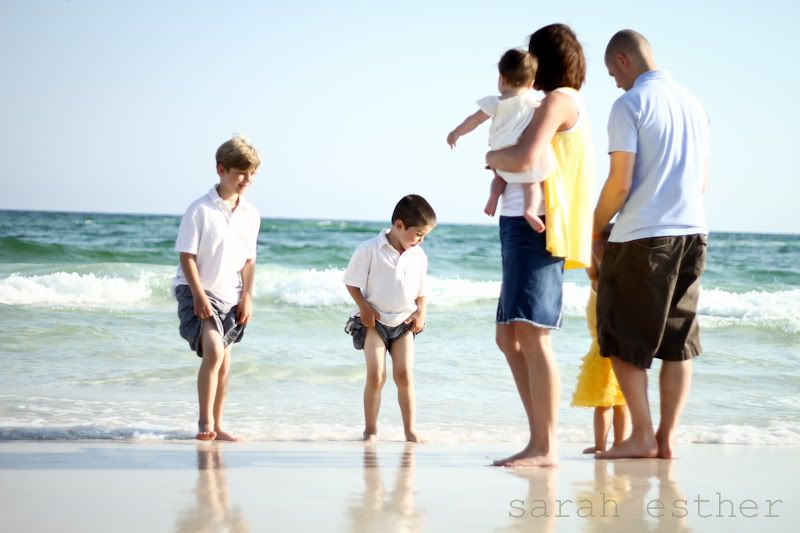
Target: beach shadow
377, 510
538, 510
211, 510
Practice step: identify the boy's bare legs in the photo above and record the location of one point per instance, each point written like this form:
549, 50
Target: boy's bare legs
207, 378
674, 382
621, 421
602, 424
496, 190
375, 357
222, 394
533, 199
642, 442
403, 373
544, 384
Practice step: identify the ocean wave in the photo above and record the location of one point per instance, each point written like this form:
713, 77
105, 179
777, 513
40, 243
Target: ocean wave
776, 434
118, 286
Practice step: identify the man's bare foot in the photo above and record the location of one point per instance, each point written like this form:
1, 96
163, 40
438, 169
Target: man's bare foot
229, 437
535, 222
491, 207
630, 448
665, 450
370, 437
204, 432
411, 436
593, 449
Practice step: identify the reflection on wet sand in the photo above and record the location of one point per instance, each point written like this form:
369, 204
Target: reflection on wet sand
375, 510
211, 510
624, 501
536, 511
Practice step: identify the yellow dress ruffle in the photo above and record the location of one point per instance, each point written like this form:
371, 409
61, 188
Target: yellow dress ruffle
597, 385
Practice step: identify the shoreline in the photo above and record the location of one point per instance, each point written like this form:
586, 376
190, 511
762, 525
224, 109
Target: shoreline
350, 486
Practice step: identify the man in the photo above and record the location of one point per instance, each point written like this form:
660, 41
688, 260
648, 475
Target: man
650, 273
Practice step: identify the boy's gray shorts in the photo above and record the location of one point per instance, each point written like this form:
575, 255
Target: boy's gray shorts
388, 334
191, 326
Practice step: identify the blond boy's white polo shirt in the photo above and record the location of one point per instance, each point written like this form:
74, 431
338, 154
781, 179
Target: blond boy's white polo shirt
390, 281
222, 239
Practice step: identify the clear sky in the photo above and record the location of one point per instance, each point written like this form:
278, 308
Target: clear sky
119, 106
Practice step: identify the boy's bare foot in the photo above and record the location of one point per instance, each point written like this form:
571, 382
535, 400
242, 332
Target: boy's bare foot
229, 437
411, 436
630, 448
665, 450
535, 222
204, 432
593, 449
370, 437
491, 206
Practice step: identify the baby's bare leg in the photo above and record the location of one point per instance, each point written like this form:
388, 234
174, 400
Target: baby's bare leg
375, 357
495, 192
403, 374
533, 198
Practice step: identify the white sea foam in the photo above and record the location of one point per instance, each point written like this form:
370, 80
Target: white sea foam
777, 434
148, 285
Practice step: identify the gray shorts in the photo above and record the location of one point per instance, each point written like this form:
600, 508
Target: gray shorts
388, 334
191, 326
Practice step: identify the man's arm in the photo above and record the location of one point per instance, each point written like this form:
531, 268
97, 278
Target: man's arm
615, 190
469, 124
245, 309
202, 307
555, 112
368, 314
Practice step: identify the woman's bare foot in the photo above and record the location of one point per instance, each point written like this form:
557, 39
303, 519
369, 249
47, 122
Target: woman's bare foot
411, 436
370, 437
529, 456
224, 435
632, 448
204, 432
535, 222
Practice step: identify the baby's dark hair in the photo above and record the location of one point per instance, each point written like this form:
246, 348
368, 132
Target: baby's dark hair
414, 210
517, 67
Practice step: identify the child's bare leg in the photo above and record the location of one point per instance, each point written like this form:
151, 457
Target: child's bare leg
375, 356
621, 420
222, 395
207, 376
533, 199
403, 374
495, 192
602, 424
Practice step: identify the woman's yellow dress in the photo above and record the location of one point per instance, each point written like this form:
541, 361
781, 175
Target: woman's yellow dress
597, 385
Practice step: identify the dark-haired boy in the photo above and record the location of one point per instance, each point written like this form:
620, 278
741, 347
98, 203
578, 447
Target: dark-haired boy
386, 279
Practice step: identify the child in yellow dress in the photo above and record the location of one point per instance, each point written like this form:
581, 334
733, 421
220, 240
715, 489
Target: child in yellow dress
597, 385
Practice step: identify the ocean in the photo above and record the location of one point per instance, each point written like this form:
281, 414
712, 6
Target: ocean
89, 341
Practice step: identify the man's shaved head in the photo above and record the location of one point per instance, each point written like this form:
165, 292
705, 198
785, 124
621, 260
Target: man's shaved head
631, 43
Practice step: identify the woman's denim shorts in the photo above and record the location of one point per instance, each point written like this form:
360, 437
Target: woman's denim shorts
532, 278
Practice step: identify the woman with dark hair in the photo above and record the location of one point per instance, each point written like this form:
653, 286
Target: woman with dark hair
533, 263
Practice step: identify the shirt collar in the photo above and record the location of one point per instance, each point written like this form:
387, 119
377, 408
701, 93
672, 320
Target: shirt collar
215, 199
383, 240
651, 75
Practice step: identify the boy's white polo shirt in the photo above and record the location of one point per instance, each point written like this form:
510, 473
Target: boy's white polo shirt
223, 240
390, 281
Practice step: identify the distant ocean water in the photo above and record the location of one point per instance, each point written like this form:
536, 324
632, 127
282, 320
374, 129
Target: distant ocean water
89, 345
